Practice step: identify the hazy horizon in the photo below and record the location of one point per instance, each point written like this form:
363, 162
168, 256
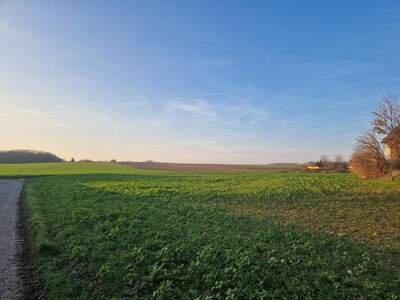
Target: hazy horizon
194, 82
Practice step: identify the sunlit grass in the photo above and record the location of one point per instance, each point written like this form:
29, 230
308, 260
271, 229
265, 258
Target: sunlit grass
37, 169
171, 235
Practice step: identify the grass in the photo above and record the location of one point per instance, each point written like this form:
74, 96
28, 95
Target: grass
149, 234
64, 168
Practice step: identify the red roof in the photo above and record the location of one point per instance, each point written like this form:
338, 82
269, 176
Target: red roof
392, 135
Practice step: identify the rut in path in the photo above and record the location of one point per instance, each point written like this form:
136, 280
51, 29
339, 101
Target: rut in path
10, 283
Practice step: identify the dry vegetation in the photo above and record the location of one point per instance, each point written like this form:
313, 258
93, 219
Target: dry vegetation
368, 159
179, 167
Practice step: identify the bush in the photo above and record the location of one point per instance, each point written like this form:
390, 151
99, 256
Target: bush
368, 160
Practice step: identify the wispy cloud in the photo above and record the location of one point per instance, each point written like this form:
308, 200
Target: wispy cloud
216, 62
23, 115
199, 108
313, 130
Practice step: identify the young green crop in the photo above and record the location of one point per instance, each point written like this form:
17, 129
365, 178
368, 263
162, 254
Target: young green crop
213, 236
64, 168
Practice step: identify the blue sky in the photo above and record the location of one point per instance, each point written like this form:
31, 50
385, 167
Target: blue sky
194, 81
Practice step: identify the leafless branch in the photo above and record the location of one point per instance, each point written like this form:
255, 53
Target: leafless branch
387, 115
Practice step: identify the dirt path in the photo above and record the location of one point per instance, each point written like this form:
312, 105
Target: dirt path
9, 244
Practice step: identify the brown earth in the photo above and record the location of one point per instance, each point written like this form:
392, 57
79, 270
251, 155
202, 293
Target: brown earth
190, 167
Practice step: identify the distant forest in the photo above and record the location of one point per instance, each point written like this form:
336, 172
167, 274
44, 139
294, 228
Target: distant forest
27, 156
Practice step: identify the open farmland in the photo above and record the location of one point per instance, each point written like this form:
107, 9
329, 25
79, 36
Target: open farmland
104, 231
179, 167
44, 169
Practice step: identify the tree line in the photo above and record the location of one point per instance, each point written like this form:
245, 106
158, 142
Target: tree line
27, 156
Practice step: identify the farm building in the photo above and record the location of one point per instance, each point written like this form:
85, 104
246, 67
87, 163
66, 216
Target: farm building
313, 167
391, 145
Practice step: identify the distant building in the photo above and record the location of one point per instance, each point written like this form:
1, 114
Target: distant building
391, 144
313, 167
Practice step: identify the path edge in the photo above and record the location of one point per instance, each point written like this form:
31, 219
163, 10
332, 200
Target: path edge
32, 282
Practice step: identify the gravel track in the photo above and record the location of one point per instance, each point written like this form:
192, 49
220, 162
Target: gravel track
10, 283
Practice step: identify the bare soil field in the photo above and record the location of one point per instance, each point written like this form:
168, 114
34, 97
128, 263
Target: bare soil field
190, 167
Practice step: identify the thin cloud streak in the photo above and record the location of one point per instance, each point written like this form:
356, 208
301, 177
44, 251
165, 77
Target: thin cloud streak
218, 62
20, 115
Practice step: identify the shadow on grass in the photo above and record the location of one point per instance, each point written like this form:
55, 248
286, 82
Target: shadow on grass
168, 236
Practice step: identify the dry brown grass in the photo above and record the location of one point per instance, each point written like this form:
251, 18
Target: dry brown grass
192, 167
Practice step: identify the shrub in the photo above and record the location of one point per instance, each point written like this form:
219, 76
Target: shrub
368, 159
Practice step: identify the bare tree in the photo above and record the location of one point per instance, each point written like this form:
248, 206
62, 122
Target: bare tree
387, 115
339, 158
368, 159
340, 163
324, 158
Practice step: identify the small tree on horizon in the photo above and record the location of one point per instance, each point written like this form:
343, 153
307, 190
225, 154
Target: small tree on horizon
368, 159
339, 158
324, 158
323, 161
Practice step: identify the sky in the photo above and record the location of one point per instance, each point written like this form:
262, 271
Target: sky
194, 81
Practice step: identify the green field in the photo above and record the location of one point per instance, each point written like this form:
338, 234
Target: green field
41, 169
103, 231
